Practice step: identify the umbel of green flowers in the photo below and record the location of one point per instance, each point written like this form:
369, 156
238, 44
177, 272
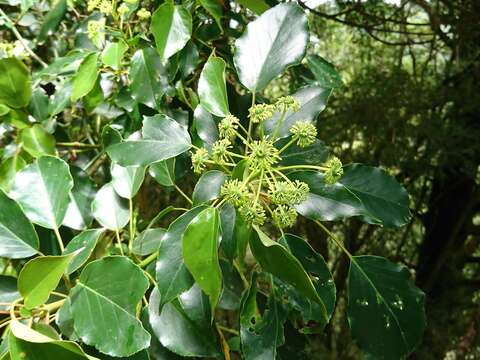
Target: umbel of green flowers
265, 192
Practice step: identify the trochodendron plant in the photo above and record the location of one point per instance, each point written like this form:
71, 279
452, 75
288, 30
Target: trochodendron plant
81, 134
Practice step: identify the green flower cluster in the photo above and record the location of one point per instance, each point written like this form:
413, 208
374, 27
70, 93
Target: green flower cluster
262, 190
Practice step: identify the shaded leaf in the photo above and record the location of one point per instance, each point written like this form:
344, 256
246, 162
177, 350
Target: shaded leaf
148, 241
215, 9
208, 186
113, 53
52, 20
81, 246
164, 172
8, 291
325, 73
211, 87
37, 141
109, 209
127, 180
15, 83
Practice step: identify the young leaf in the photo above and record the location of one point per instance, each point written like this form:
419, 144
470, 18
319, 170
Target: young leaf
109, 209
85, 78
39, 277
171, 27
37, 142
27, 343
127, 180
383, 295
275, 40
183, 325
15, 83
104, 315
148, 77
211, 87
18, 238
208, 186
260, 335
113, 53
278, 261
200, 253
163, 138
81, 246
172, 275
42, 190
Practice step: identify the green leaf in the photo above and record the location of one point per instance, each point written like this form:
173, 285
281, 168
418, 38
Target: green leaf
172, 275
312, 99
148, 77
148, 241
104, 315
208, 186
8, 291
215, 9
15, 83
277, 260
325, 73
62, 65
188, 59
52, 20
228, 218
205, 126
260, 335
271, 43
257, 6
18, 238
82, 247
322, 279
39, 277
171, 27
163, 172
42, 190
79, 211
127, 180
109, 209
163, 138
37, 142
113, 53
85, 78
383, 295
26, 343
364, 191
38, 106
211, 87
8, 170
315, 154
200, 253
61, 99
183, 325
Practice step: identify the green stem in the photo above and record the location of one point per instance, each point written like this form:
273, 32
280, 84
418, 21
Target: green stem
54, 306
226, 329
286, 146
77, 144
59, 239
131, 231
21, 39
293, 167
278, 125
145, 262
119, 241
334, 238
183, 194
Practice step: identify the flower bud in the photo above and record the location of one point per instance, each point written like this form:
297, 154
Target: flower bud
262, 155
235, 191
334, 172
258, 113
304, 133
220, 149
287, 102
199, 160
253, 213
284, 216
143, 13
228, 126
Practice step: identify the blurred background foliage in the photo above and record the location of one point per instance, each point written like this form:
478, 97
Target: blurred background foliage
409, 102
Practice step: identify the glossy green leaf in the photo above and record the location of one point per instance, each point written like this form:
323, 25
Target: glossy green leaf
208, 186
27, 343
383, 295
81, 246
79, 211
205, 126
8, 170
61, 99
109, 209
183, 325
212, 89
38, 106
110, 135
325, 73
113, 53
127, 180
312, 99
62, 65
148, 77
260, 335
363, 191
171, 27
200, 252
188, 60
85, 78
8, 291
232, 287
148, 241
257, 6
163, 172
214, 8
315, 154
172, 275
64, 320
18, 238
37, 141
163, 138
277, 260
322, 279
228, 217
15, 83
52, 20
42, 190
96, 305
271, 43
39, 277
